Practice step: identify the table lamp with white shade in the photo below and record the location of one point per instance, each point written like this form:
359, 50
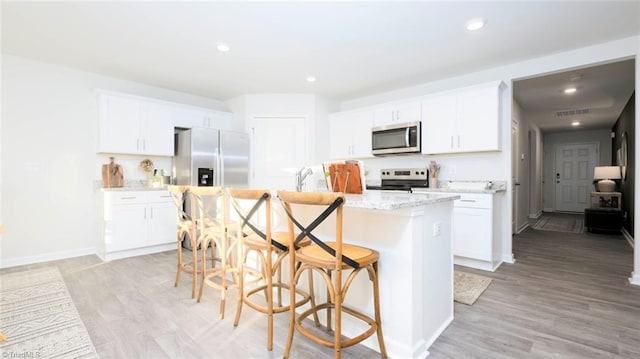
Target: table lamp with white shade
605, 176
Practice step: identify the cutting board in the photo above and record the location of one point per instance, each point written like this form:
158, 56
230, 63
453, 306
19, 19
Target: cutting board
345, 177
112, 175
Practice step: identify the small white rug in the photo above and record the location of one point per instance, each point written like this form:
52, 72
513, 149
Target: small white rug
467, 287
38, 318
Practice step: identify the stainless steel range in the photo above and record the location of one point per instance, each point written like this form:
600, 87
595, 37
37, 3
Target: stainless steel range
402, 179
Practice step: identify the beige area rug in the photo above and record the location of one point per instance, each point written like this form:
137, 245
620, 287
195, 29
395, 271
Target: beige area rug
467, 287
38, 318
560, 224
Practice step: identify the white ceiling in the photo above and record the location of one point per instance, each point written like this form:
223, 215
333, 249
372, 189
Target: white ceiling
353, 48
601, 90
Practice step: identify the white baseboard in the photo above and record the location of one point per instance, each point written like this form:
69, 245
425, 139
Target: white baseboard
14, 262
522, 227
548, 210
508, 258
535, 215
476, 263
109, 256
635, 278
628, 237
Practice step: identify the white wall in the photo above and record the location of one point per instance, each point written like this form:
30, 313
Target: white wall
498, 165
314, 109
1, 176
602, 137
49, 163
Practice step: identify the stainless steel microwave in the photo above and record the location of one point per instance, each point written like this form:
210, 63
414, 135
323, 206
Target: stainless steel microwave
397, 138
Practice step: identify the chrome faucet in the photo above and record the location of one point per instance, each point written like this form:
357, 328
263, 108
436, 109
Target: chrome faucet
301, 175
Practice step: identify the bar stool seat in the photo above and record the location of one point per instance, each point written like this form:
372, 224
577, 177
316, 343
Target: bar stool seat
318, 256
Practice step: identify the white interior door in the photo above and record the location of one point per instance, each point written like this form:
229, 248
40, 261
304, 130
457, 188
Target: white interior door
278, 150
574, 175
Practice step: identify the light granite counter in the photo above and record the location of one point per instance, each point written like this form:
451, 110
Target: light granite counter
491, 187
134, 189
130, 185
387, 201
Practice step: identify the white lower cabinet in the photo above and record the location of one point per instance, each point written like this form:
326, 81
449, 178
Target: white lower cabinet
136, 222
475, 231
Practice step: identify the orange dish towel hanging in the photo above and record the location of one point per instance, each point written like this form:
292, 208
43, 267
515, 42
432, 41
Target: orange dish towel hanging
345, 178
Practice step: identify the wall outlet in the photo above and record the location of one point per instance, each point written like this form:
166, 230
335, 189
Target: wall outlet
437, 228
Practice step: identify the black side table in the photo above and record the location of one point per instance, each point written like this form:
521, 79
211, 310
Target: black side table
604, 219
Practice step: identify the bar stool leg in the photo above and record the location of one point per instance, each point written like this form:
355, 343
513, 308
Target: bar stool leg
312, 297
240, 288
179, 272
376, 297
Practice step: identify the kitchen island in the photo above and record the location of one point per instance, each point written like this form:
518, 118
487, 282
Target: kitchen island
412, 232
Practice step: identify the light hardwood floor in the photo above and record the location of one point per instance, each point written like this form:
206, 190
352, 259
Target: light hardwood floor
567, 296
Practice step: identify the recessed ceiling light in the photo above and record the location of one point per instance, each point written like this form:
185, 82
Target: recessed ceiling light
223, 47
311, 79
575, 123
475, 24
570, 90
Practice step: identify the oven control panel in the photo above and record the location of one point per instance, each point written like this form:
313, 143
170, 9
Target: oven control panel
412, 174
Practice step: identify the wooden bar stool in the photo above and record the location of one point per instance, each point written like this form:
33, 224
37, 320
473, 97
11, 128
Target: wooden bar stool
186, 228
213, 231
329, 259
253, 207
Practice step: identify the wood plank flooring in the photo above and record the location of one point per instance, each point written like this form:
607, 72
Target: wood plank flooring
567, 296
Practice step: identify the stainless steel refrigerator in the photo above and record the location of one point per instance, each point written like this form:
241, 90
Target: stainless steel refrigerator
209, 157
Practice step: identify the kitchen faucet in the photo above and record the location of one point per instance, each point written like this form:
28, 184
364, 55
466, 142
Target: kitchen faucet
301, 175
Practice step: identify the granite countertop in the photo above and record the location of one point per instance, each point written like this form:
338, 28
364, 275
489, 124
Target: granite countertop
134, 189
487, 186
391, 200
130, 185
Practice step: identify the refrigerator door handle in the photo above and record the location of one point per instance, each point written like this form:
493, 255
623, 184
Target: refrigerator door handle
220, 167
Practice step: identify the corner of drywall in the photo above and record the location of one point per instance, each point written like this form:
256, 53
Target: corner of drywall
1, 142
237, 106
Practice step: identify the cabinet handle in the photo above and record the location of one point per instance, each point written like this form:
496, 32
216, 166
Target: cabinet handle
145, 213
451, 141
166, 196
128, 197
144, 145
458, 140
137, 144
467, 200
151, 210
397, 115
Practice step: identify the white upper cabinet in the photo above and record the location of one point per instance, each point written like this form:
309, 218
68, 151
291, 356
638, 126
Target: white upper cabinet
408, 111
190, 117
134, 126
438, 123
350, 134
157, 129
465, 120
